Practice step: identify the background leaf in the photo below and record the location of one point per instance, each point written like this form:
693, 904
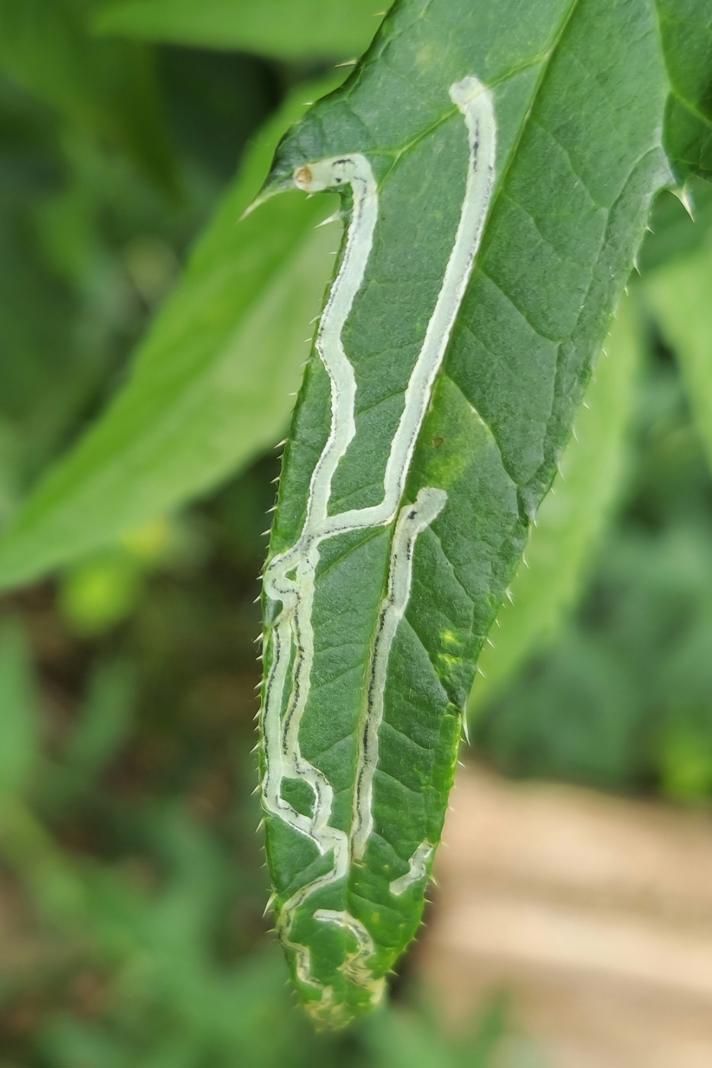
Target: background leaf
211, 383
562, 546
289, 29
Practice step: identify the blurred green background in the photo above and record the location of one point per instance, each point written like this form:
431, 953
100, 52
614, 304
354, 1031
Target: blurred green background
131, 879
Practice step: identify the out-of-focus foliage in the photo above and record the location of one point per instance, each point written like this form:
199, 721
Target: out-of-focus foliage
91, 244
297, 29
199, 403
108, 90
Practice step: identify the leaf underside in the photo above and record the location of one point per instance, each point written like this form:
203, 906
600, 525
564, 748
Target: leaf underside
580, 92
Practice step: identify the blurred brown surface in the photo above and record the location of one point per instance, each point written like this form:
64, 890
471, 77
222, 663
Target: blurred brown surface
594, 913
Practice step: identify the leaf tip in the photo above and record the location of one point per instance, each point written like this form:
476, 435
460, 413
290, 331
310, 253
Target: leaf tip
274, 185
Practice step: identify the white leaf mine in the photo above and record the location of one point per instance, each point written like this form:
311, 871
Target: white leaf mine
289, 579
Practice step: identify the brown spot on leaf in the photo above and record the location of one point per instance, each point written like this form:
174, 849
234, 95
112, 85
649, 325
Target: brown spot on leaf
303, 177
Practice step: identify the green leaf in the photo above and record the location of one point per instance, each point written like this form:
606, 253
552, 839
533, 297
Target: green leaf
210, 385
679, 296
295, 29
572, 518
397, 534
